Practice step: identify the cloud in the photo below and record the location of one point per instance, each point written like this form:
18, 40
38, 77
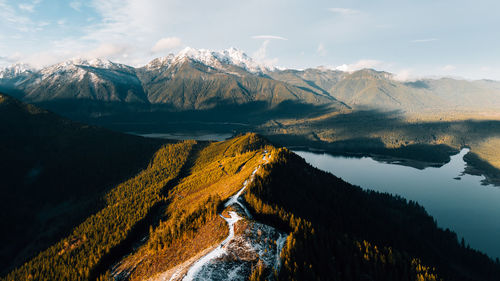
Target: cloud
166, 43
321, 50
261, 55
11, 59
27, 7
344, 11
76, 5
424, 40
43, 23
361, 64
106, 50
268, 37
403, 75
11, 18
448, 68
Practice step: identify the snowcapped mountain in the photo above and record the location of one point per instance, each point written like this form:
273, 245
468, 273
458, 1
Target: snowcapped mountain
16, 70
219, 60
94, 79
203, 79
190, 79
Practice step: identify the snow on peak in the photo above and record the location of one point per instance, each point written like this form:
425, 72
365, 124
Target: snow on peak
215, 59
94, 62
160, 62
16, 69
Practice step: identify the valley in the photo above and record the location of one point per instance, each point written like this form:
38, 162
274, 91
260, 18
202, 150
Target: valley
196, 196
227, 92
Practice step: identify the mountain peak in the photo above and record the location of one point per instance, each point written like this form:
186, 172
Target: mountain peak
16, 69
94, 62
370, 72
215, 59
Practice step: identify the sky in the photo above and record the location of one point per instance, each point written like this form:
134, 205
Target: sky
413, 39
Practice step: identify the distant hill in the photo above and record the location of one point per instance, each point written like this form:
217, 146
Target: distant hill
370, 89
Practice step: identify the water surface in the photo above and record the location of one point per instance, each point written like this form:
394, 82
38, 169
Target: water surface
457, 201
194, 136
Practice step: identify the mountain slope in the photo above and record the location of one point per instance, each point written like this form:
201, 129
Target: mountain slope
81, 79
188, 84
368, 88
53, 173
316, 79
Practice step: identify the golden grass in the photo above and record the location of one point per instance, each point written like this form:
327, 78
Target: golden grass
488, 150
151, 263
218, 172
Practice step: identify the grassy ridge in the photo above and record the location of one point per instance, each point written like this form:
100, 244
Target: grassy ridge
74, 257
192, 223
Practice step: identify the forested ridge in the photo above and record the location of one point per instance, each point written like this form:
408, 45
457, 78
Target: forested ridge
340, 232
75, 256
54, 173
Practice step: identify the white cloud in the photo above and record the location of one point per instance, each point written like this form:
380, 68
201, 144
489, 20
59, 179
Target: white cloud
424, 40
344, 11
448, 68
13, 58
106, 50
27, 7
261, 55
269, 37
11, 18
76, 5
403, 75
321, 50
166, 43
361, 64
61, 22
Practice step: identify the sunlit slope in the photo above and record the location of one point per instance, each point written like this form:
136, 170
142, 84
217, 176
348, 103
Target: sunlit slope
191, 223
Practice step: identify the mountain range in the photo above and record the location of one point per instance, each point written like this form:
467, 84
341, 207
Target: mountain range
198, 79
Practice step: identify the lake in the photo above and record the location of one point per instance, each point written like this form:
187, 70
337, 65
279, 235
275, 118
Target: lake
457, 201
192, 136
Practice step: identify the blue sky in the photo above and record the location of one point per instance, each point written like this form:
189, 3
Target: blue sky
409, 38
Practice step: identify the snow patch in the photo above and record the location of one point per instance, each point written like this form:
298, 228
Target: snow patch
215, 59
217, 252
